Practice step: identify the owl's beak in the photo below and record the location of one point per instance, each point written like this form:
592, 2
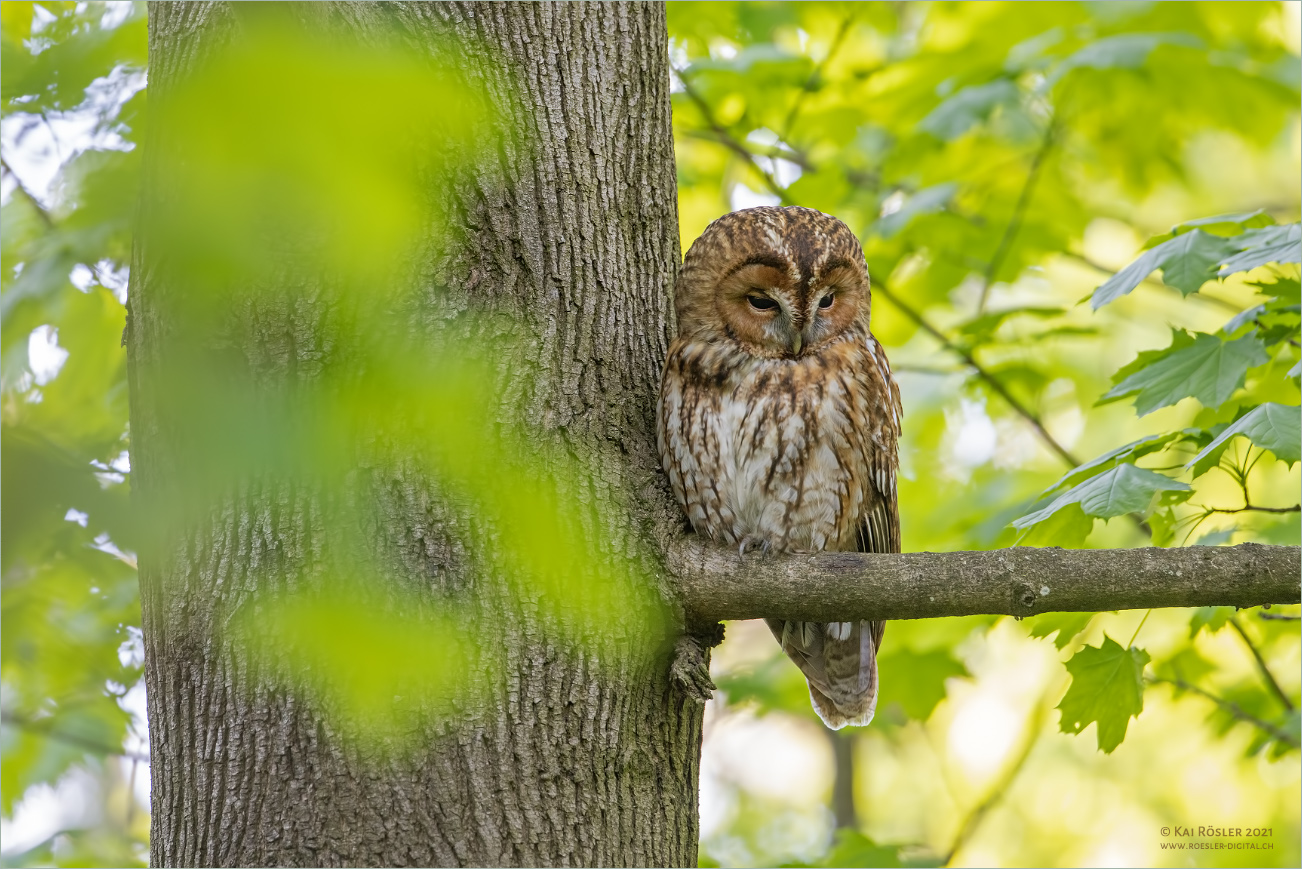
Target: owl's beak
796, 343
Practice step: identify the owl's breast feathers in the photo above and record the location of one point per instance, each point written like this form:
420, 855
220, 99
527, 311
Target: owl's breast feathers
797, 453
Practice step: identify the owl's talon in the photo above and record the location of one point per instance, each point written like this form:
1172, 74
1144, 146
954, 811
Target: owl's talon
751, 542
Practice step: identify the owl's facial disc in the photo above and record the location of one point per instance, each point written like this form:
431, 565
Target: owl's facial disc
758, 307
835, 299
775, 313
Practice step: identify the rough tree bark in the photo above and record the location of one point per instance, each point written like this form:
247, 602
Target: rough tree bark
572, 234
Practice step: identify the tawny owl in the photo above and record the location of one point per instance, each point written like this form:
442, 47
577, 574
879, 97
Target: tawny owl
779, 419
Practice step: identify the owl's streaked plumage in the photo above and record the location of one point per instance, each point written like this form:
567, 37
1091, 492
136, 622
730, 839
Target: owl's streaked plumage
779, 419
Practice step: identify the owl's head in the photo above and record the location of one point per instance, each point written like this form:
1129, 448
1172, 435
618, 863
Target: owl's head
780, 282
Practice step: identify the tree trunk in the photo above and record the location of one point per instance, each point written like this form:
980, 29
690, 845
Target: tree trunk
571, 234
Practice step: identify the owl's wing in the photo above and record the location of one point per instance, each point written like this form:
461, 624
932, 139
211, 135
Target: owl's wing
879, 524
879, 528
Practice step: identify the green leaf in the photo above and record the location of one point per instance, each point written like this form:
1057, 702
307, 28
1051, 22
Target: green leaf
1287, 290
916, 680
1126, 453
926, 201
1124, 489
1066, 625
1259, 247
1271, 426
1187, 262
970, 106
1242, 319
853, 848
1185, 664
1202, 367
1068, 528
1107, 688
1216, 538
1122, 51
1292, 725
1211, 618
1236, 222
771, 685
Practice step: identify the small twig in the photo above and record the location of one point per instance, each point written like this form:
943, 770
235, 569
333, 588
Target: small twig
70, 738
44, 214
1135, 636
997, 791
1015, 222
1253, 508
19, 186
1278, 617
771, 151
727, 139
816, 76
1233, 708
970, 361
1261, 664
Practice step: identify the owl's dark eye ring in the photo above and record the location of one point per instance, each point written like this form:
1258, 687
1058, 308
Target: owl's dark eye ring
826, 301
761, 303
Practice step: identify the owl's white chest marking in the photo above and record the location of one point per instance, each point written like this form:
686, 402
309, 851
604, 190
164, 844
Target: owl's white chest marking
780, 474
769, 453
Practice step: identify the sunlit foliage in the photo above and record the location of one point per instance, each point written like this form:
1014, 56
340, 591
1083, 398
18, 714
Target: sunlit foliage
71, 654
1081, 223
1080, 220
291, 193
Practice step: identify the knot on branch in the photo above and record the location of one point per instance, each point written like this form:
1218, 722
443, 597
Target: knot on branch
1024, 596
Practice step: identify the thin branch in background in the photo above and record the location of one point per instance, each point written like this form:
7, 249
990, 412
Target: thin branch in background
728, 140
1261, 665
770, 151
1253, 508
43, 213
73, 739
1278, 617
1135, 636
936, 371
1232, 708
22, 191
811, 84
843, 801
1019, 213
970, 361
978, 812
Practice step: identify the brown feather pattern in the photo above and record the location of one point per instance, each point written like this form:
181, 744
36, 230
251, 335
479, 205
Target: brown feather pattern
778, 423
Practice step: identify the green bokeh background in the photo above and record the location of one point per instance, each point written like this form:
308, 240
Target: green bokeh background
1000, 161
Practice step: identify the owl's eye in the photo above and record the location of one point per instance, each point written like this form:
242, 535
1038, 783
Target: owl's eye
761, 303
826, 301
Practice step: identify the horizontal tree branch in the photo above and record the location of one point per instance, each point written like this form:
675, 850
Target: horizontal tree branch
717, 583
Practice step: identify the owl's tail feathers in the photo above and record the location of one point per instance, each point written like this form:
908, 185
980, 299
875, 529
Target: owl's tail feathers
839, 661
